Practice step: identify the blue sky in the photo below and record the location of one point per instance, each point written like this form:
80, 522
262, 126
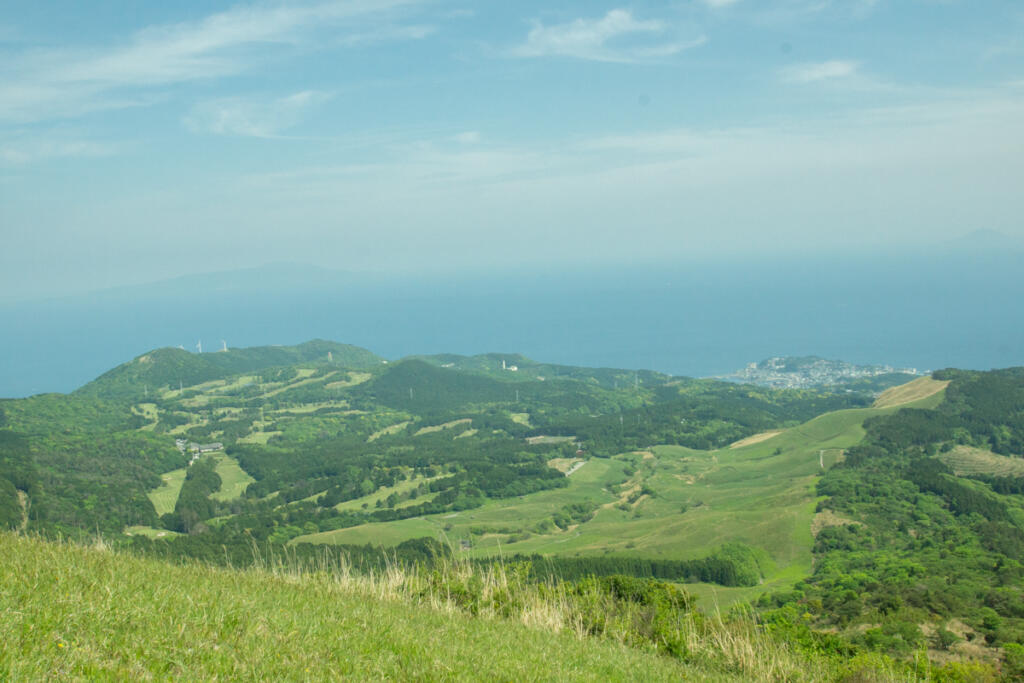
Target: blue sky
147, 140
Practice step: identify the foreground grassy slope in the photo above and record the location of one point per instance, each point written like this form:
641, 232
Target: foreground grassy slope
79, 613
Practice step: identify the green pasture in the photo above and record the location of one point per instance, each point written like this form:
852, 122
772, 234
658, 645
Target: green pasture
164, 497
233, 479
965, 460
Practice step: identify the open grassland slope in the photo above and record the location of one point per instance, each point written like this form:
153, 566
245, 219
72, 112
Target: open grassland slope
75, 612
165, 496
915, 390
70, 612
967, 461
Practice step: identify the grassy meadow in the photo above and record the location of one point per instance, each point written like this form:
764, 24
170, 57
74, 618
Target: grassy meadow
165, 496
233, 479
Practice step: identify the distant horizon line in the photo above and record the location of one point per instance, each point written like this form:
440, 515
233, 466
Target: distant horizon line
993, 243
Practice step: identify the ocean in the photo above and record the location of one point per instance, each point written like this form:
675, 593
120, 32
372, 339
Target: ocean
926, 311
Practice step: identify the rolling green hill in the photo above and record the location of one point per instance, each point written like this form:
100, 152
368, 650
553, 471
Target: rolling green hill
168, 368
666, 503
812, 504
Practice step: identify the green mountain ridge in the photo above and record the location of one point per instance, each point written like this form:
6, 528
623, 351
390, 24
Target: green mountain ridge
167, 367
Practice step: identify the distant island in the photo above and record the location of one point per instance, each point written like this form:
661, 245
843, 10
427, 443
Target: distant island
803, 372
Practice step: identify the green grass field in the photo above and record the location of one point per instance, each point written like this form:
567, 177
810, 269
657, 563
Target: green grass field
964, 460
233, 479
391, 429
164, 497
75, 613
912, 391
149, 412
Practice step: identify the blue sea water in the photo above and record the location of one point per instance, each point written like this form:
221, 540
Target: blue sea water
695, 319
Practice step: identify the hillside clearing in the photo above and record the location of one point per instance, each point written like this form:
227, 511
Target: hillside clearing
441, 427
233, 479
756, 438
966, 460
164, 497
914, 390
393, 429
354, 378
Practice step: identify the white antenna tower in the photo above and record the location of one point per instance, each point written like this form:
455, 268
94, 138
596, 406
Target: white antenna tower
223, 345
199, 345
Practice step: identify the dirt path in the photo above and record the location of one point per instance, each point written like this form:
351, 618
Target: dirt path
575, 467
23, 501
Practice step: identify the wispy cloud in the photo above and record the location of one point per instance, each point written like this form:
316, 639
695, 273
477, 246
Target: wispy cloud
20, 151
388, 34
251, 117
469, 137
716, 4
820, 71
616, 37
805, 176
53, 84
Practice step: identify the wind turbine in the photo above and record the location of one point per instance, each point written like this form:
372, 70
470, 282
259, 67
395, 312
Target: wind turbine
223, 345
199, 345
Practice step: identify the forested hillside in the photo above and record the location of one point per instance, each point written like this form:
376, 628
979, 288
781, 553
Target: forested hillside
916, 555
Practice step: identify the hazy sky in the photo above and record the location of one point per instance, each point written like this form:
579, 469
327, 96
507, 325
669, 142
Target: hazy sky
141, 140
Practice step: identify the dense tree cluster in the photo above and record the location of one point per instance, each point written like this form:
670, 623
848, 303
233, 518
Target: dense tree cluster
733, 564
925, 545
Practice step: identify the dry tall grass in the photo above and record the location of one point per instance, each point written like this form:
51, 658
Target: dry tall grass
733, 645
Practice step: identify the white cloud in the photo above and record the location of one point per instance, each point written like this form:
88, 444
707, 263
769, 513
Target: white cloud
250, 117
54, 84
388, 34
820, 71
22, 151
859, 175
469, 137
719, 3
611, 38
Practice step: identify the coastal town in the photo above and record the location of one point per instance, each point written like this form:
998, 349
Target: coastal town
801, 372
